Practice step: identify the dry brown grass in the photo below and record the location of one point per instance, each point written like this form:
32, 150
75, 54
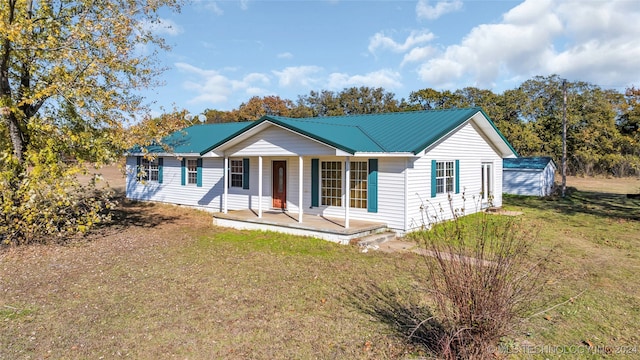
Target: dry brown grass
162, 282
628, 185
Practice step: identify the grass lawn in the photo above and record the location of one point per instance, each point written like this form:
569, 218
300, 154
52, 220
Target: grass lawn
162, 282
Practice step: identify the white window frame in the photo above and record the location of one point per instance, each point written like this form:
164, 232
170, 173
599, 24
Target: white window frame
149, 169
331, 183
236, 173
445, 177
191, 171
359, 174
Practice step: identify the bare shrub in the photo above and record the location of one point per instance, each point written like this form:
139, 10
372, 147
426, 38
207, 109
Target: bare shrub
482, 278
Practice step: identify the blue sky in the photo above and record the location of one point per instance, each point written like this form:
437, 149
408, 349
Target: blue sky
225, 52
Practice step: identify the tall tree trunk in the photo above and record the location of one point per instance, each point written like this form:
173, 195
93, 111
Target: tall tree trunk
16, 133
17, 138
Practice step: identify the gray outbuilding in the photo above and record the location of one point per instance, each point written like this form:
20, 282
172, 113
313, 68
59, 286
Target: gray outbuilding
533, 176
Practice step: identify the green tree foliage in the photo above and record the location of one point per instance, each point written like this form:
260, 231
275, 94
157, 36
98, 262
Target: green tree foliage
350, 101
603, 125
69, 71
257, 107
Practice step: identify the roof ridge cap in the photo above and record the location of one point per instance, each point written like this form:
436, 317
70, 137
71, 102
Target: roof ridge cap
320, 122
371, 138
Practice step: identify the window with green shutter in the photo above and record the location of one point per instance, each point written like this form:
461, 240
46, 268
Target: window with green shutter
444, 177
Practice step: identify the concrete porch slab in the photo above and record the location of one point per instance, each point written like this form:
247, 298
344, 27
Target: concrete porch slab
321, 227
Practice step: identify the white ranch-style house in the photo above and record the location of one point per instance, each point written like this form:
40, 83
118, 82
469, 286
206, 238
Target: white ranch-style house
331, 177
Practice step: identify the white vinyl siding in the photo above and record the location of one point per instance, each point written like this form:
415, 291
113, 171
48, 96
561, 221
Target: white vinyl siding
530, 182
469, 146
208, 197
275, 141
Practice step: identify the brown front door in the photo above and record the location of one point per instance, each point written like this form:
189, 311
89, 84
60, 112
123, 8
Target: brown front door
279, 184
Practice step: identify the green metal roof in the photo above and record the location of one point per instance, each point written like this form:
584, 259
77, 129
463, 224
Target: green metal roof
406, 132
194, 139
399, 132
535, 163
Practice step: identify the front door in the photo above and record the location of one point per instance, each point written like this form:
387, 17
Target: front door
279, 181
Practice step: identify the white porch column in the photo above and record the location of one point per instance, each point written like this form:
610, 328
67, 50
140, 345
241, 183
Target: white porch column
259, 186
225, 185
300, 188
347, 190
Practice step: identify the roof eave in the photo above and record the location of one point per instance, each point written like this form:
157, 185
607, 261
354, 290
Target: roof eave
515, 153
370, 154
235, 134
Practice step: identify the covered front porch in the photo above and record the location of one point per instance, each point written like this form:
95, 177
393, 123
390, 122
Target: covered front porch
318, 226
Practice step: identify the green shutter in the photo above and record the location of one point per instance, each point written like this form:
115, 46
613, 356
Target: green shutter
245, 173
183, 172
457, 177
433, 178
160, 165
372, 184
315, 178
138, 163
199, 173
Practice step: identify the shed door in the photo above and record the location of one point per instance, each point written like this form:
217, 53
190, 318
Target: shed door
279, 181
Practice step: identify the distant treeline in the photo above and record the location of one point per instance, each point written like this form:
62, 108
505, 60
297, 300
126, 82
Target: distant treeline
603, 125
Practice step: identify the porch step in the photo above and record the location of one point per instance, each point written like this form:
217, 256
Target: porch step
373, 241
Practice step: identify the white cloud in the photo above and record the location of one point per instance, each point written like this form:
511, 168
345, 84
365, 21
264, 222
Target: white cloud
162, 27
285, 55
595, 41
432, 12
297, 76
381, 41
386, 79
418, 54
210, 86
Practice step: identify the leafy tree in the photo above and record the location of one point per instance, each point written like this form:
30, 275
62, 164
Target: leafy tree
323, 103
629, 121
69, 72
350, 101
430, 99
366, 100
257, 107
217, 116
